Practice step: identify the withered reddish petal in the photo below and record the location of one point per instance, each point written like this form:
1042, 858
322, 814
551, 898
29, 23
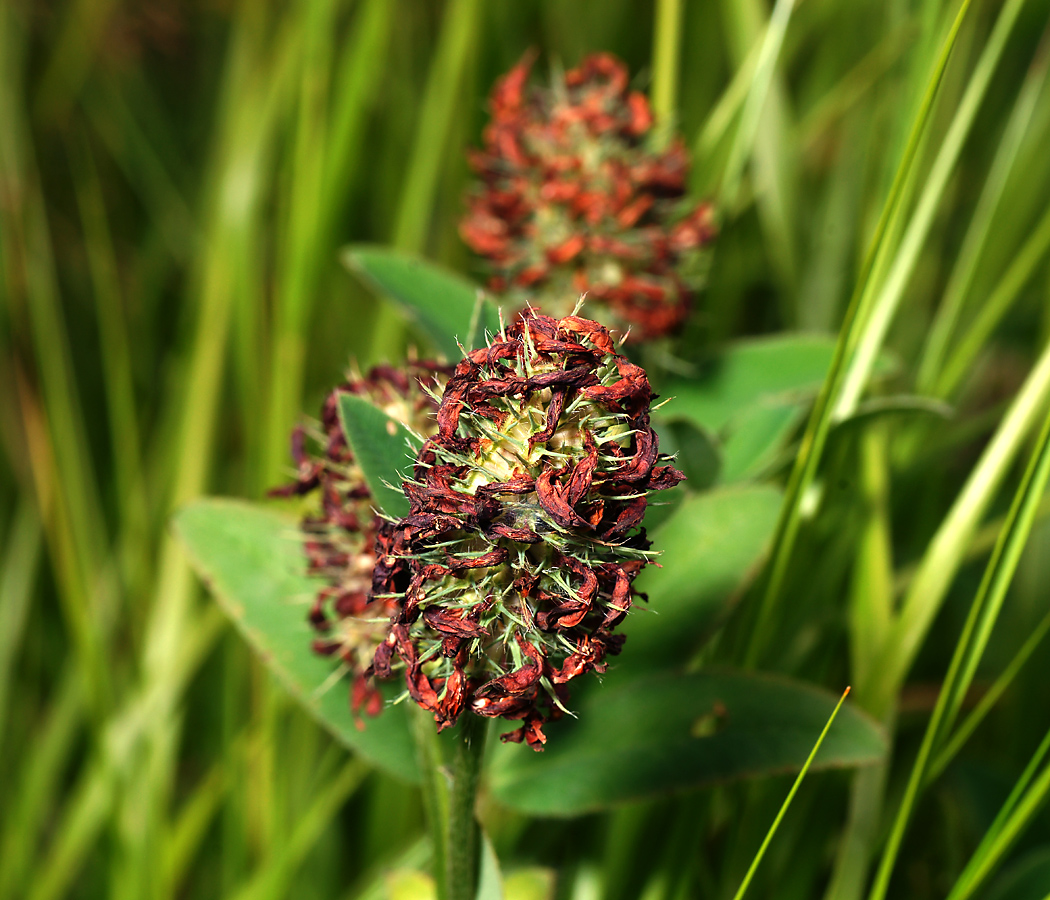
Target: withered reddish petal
552, 498
641, 115
592, 331
451, 622
629, 517
554, 410
566, 250
512, 706
664, 478
576, 377
582, 476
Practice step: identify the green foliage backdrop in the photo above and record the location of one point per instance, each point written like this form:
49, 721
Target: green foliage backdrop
178, 182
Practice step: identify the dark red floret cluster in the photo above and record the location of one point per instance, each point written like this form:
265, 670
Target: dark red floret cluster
524, 537
340, 531
574, 198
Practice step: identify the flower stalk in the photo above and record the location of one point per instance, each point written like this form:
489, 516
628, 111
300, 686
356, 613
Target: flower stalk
464, 834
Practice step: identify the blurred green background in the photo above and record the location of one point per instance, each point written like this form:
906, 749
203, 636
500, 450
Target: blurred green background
176, 179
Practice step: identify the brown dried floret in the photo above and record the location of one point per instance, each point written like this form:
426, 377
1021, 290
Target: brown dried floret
517, 558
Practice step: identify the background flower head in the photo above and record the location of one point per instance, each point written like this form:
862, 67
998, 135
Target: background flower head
574, 197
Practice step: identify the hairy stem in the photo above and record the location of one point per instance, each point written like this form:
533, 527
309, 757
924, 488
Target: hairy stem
463, 831
435, 795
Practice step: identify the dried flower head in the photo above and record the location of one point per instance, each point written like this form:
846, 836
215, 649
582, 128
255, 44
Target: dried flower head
517, 559
575, 199
340, 534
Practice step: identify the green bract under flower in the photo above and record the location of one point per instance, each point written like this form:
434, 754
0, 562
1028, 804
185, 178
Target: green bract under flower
517, 559
340, 531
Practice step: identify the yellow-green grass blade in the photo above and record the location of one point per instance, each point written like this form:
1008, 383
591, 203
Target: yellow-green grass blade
302, 239
18, 579
456, 42
954, 744
667, 48
947, 549
787, 803
1024, 801
995, 307
988, 207
886, 294
972, 642
817, 428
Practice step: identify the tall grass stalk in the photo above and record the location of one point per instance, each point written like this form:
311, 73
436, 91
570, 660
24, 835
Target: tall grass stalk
854, 324
972, 642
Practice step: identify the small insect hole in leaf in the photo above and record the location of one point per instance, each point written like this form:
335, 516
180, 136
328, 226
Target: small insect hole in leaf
712, 722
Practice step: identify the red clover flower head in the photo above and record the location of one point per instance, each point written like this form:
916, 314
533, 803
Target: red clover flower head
575, 198
339, 536
524, 535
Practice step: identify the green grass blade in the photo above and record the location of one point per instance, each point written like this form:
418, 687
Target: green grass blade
275, 878
815, 437
787, 802
667, 46
972, 642
718, 122
303, 242
758, 91
947, 549
17, 581
886, 302
987, 702
1002, 566
456, 42
995, 307
115, 346
40, 781
988, 206
77, 831
1020, 806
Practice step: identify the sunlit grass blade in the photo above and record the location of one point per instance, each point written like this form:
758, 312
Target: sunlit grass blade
966, 266
438, 110
667, 46
887, 294
758, 91
303, 241
722, 115
787, 802
762, 141
947, 549
995, 307
815, 436
972, 642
